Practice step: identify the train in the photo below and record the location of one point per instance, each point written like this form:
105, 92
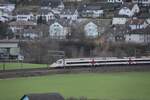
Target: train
99, 61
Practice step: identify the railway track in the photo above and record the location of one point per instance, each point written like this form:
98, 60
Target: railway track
49, 71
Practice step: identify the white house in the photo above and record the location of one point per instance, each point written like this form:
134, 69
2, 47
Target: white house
7, 7
148, 21
31, 34
96, 13
19, 26
45, 14
56, 31
25, 17
125, 11
91, 29
115, 1
90, 10
69, 14
137, 38
3, 19
129, 10
135, 9
119, 21
137, 24
142, 2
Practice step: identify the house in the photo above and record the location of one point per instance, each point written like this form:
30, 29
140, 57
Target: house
31, 34
91, 30
142, 2
141, 36
135, 9
125, 11
7, 7
4, 13
46, 15
56, 31
24, 15
135, 23
148, 21
3, 19
119, 21
70, 14
129, 10
60, 29
18, 27
42, 96
117, 33
90, 10
9, 48
115, 1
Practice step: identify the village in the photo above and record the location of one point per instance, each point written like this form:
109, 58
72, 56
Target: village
81, 28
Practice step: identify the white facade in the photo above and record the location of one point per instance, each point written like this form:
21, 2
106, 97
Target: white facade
126, 11
119, 21
30, 35
2, 19
56, 31
7, 7
138, 26
73, 16
98, 13
115, 1
47, 17
91, 30
144, 2
135, 9
148, 21
25, 17
137, 38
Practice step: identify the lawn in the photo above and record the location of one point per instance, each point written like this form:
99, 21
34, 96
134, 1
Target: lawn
103, 86
9, 66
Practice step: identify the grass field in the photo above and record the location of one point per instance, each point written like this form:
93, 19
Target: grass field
9, 66
104, 86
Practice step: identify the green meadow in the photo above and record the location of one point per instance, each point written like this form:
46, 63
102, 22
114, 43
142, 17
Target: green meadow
103, 86
9, 66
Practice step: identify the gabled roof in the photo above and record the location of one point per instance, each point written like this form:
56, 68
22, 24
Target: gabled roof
91, 23
68, 11
22, 23
89, 7
128, 5
44, 96
135, 21
63, 22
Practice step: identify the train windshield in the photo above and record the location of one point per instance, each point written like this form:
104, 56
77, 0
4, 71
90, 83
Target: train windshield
59, 62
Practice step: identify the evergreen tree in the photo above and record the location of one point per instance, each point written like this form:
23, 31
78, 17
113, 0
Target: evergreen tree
4, 31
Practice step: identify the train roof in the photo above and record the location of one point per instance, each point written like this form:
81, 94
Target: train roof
104, 58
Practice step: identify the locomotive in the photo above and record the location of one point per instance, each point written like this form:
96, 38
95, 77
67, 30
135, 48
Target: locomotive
99, 61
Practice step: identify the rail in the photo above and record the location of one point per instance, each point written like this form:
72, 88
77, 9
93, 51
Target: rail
49, 71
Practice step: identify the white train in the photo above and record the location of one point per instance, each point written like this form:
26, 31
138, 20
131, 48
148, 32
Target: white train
99, 61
